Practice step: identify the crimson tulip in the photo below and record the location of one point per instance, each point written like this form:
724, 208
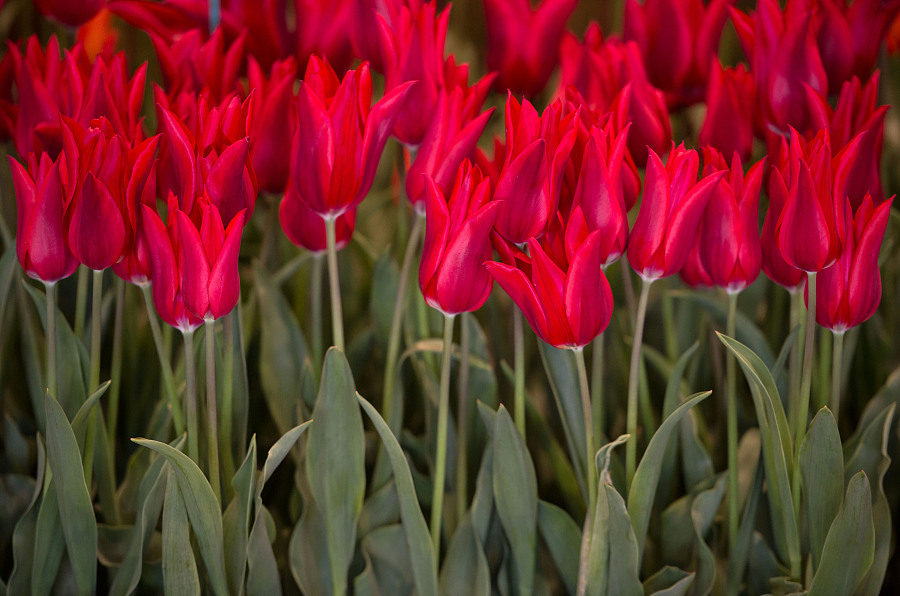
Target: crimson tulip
730, 103
339, 139
694, 272
773, 264
848, 292
73, 14
274, 122
523, 42
192, 64
537, 148
40, 231
304, 227
457, 232
678, 40
671, 209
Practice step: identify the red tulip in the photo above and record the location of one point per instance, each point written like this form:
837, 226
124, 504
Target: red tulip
567, 303
694, 272
730, 102
167, 266
339, 138
192, 64
304, 227
678, 40
40, 231
457, 231
73, 14
673, 203
274, 121
537, 148
848, 292
728, 237
773, 264
523, 42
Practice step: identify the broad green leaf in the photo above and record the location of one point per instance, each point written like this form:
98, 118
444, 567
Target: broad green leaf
385, 280
643, 487
236, 520
75, 509
465, 570
335, 463
703, 510
386, 549
79, 422
777, 451
669, 581
282, 352
308, 552
850, 546
515, 493
763, 566
737, 563
364, 584
696, 461
23, 537
483, 501
49, 542
563, 538
279, 451
178, 565
822, 469
381, 508
418, 539
262, 576
202, 510
624, 556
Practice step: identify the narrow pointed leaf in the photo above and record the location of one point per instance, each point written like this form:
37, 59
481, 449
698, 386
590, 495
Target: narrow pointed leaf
562, 537
262, 577
178, 565
822, 467
465, 570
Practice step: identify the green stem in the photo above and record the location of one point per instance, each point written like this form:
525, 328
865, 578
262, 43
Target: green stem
190, 396
228, 397
519, 370
668, 312
94, 379
634, 370
165, 365
805, 387
820, 387
116, 364
51, 338
597, 386
588, 431
315, 311
462, 421
81, 300
334, 282
212, 434
837, 363
393, 351
214, 15
625, 268
437, 497
794, 361
731, 404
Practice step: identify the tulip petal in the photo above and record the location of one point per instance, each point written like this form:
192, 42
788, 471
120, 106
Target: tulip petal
313, 149
550, 284
525, 211
649, 229
803, 236
519, 288
437, 218
96, 228
195, 272
683, 222
588, 300
224, 282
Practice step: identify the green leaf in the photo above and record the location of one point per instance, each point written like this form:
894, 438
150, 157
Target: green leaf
387, 551
737, 564
75, 509
515, 493
79, 422
335, 463
49, 542
262, 578
282, 352
385, 280
308, 552
418, 539
675, 376
703, 511
236, 520
850, 546
777, 451
643, 487
483, 501
279, 451
465, 571
178, 565
822, 469
624, 556
202, 510
23, 537
563, 538
669, 581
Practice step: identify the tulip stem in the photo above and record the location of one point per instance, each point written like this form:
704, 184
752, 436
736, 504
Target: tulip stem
462, 420
214, 15
796, 353
90, 432
588, 431
315, 311
597, 362
51, 338
337, 321
190, 396
81, 301
212, 433
440, 464
519, 366
116, 364
165, 365
731, 405
633, 377
393, 351
228, 396
837, 363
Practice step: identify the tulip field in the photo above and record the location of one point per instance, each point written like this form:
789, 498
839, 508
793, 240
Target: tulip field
399, 297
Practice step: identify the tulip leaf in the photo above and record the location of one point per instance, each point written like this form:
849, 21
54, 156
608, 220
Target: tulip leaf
178, 565
515, 493
703, 510
335, 463
850, 545
418, 539
236, 520
563, 537
385, 281
262, 575
738, 560
49, 542
79, 422
202, 510
386, 549
822, 469
777, 451
23, 537
624, 555
483, 501
308, 552
465, 570
646, 477
279, 451
75, 509
669, 581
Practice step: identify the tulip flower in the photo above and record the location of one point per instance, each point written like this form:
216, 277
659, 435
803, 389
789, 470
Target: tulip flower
193, 64
457, 233
678, 40
673, 203
274, 122
773, 264
849, 291
73, 14
304, 227
694, 271
730, 103
339, 138
40, 231
536, 153
523, 42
